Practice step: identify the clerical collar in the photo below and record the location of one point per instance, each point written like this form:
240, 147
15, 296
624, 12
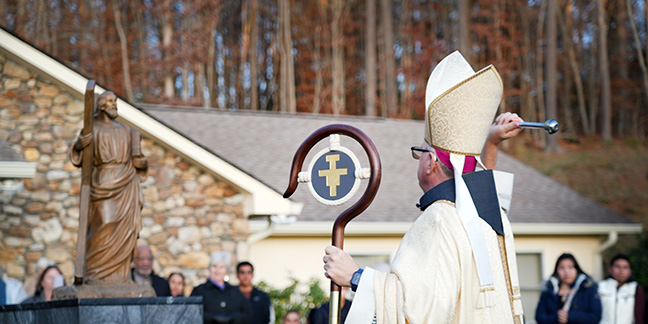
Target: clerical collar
481, 185
220, 286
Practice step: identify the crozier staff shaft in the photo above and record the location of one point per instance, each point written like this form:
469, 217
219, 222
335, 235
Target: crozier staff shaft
346, 216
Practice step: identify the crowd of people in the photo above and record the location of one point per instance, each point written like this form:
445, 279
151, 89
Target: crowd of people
568, 296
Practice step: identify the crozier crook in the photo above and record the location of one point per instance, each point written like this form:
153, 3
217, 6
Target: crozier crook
346, 216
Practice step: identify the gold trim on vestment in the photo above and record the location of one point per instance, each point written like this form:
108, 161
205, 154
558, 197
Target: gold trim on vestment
507, 277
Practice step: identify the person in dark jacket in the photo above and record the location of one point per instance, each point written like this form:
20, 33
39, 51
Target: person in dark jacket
570, 295
222, 303
321, 315
143, 272
262, 310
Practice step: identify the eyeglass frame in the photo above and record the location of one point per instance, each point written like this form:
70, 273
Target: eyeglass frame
417, 156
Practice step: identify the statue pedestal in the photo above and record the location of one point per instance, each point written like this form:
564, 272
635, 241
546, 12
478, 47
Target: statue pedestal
106, 310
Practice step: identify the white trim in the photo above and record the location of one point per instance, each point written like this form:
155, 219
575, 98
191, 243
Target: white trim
574, 229
400, 228
17, 170
325, 228
264, 200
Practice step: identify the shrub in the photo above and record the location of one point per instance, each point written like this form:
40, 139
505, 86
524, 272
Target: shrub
301, 297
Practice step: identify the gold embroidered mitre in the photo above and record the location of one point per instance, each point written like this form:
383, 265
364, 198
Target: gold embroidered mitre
460, 105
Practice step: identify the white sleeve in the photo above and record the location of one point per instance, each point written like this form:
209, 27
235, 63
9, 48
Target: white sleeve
15, 291
272, 315
363, 307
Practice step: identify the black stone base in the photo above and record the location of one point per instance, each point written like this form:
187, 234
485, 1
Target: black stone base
106, 310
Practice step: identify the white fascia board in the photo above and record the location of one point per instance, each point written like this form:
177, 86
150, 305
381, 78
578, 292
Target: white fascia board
574, 229
400, 228
265, 200
42, 62
17, 169
325, 228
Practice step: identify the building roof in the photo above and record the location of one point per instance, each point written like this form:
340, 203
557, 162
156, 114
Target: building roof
8, 154
13, 164
263, 144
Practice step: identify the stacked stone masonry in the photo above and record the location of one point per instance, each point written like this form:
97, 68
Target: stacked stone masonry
188, 213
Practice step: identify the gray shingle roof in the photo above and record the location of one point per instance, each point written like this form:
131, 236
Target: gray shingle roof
263, 144
8, 154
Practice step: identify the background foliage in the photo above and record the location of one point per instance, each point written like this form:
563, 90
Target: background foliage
298, 296
582, 62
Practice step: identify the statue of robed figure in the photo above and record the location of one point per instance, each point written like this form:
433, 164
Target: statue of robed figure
111, 196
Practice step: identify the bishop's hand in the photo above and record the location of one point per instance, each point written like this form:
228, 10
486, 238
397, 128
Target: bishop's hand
506, 126
339, 266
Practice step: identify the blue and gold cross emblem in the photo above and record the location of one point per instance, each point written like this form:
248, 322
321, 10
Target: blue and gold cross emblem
333, 174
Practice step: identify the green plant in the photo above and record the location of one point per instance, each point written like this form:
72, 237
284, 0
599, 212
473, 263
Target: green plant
639, 261
301, 297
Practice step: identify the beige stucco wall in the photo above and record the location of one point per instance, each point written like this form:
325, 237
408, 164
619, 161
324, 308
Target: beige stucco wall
584, 249
276, 259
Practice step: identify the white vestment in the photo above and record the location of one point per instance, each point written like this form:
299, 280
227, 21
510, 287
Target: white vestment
434, 277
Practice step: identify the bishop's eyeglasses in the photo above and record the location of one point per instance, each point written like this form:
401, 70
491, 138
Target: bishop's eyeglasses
418, 151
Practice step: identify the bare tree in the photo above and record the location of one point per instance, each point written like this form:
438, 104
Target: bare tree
370, 58
245, 51
406, 57
606, 126
464, 29
287, 75
337, 39
552, 77
124, 51
573, 63
254, 37
642, 64
622, 105
389, 64
167, 36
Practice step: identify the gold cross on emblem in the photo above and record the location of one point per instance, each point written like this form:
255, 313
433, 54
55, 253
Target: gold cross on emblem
333, 173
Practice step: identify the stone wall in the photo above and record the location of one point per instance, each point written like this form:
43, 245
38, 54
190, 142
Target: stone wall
188, 213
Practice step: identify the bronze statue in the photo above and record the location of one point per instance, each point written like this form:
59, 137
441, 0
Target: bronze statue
115, 199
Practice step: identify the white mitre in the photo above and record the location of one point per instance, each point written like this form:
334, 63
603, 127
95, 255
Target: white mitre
460, 105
